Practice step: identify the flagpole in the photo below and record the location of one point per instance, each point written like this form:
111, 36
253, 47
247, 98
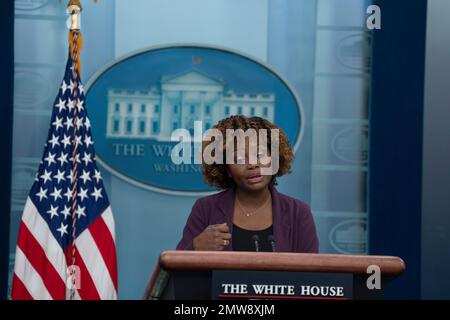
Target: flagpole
74, 7
67, 266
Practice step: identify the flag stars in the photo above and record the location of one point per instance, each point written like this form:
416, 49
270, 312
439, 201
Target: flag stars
46, 176
64, 87
69, 142
97, 176
50, 158
97, 194
83, 194
66, 212
63, 229
68, 194
62, 159
85, 176
78, 141
42, 194
88, 141
70, 105
70, 176
79, 123
66, 141
56, 194
87, 159
60, 176
69, 123
58, 123
80, 105
61, 105
87, 123
72, 86
53, 212
80, 212
68, 163
54, 141
77, 158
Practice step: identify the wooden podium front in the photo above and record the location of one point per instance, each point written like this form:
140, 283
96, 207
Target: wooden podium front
191, 275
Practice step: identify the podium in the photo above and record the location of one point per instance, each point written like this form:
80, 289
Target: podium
192, 275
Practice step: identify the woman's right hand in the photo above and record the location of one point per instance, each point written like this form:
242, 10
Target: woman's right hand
214, 238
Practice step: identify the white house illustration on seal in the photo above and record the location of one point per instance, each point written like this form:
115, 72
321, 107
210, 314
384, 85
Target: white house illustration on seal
181, 100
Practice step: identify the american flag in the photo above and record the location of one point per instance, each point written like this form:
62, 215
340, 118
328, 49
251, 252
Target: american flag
67, 220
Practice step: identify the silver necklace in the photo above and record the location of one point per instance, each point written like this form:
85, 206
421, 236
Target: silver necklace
247, 213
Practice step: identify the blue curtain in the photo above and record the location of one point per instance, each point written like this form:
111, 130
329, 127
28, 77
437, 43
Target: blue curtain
396, 128
6, 97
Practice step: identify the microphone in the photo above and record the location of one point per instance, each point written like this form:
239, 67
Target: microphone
271, 240
255, 239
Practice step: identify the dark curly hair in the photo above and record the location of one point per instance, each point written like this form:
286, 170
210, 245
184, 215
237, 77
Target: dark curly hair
216, 174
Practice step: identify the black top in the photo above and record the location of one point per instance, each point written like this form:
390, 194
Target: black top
243, 239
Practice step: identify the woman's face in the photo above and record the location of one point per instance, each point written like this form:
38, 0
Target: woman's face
248, 176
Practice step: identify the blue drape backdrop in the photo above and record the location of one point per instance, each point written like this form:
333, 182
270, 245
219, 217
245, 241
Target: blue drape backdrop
6, 98
396, 130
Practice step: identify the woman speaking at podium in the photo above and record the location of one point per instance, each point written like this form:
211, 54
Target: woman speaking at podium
250, 214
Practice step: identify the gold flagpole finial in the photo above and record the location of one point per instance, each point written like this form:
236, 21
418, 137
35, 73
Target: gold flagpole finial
74, 7
76, 3
75, 38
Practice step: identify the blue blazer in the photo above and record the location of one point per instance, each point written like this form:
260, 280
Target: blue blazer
293, 225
